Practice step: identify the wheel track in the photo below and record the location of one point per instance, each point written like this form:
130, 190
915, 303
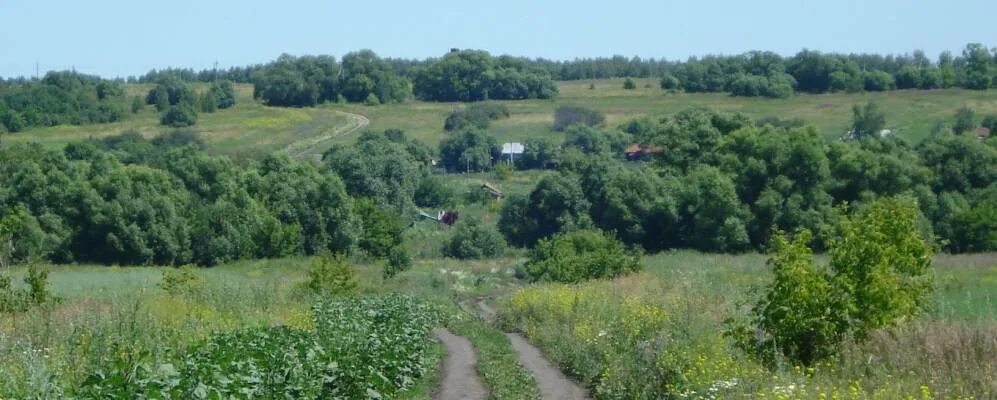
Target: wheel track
301, 148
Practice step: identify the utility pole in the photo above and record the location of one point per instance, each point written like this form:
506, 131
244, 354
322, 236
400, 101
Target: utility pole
36, 70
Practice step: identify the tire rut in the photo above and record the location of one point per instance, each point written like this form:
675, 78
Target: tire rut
553, 384
459, 373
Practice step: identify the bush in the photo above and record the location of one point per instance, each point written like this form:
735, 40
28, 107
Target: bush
179, 116
879, 275
502, 171
137, 104
669, 82
629, 84
398, 261
566, 116
579, 256
477, 116
796, 312
181, 281
19, 300
332, 275
372, 100
473, 240
433, 192
382, 228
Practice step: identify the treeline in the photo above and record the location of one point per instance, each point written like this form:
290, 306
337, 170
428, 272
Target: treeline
364, 77
128, 200
60, 98
722, 182
757, 73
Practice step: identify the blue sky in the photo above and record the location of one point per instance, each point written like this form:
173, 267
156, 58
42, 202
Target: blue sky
129, 37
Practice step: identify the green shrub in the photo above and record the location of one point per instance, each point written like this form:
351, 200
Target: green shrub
882, 264
19, 300
474, 240
669, 82
566, 116
372, 100
629, 84
11, 299
179, 116
879, 275
398, 261
382, 228
137, 104
475, 194
332, 275
502, 171
798, 312
579, 256
179, 281
433, 192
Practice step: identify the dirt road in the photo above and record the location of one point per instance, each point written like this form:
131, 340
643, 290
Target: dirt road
460, 375
302, 148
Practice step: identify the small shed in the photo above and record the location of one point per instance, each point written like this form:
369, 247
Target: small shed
982, 132
492, 191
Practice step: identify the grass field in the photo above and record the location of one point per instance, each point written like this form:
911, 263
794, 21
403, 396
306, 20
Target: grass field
250, 128
104, 308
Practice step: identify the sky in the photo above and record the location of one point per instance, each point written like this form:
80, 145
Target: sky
118, 38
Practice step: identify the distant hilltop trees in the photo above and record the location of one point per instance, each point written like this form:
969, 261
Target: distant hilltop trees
476, 75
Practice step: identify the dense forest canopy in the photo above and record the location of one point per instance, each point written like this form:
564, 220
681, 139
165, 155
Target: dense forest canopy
60, 98
723, 182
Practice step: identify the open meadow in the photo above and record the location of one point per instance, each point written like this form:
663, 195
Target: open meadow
252, 129
114, 317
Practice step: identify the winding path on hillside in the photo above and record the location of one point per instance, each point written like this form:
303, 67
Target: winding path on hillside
302, 148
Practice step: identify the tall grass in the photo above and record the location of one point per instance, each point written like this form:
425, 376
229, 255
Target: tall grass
660, 334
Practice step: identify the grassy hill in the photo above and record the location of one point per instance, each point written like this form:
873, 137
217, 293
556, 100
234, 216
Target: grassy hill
251, 128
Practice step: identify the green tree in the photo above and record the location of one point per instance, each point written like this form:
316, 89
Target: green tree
555, 204
798, 313
223, 92
882, 264
381, 228
398, 261
965, 120
669, 82
628, 84
469, 150
382, 166
474, 240
879, 276
867, 121
208, 102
